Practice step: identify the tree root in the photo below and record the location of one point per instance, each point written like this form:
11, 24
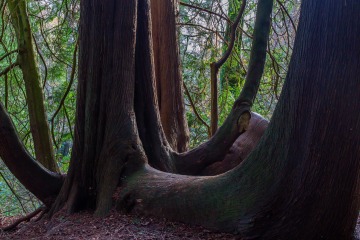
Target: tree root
26, 218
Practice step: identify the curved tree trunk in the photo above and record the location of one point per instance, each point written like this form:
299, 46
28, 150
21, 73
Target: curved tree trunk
196, 160
168, 73
43, 184
38, 121
301, 182
231, 74
240, 149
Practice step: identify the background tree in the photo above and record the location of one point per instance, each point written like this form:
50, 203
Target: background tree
204, 35
54, 31
26, 59
168, 73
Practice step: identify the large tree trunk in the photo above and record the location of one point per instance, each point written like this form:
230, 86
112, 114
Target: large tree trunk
168, 73
302, 181
106, 137
111, 79
26, 58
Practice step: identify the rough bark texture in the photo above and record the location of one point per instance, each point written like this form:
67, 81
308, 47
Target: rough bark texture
105, 133
168, 73
38, 121
153, 137
106, 130
304, 173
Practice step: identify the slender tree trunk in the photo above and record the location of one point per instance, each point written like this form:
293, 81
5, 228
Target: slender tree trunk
232, 73
38, 121
168, 73
195, 161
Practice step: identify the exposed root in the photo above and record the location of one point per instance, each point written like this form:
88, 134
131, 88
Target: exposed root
42, 213
26, 218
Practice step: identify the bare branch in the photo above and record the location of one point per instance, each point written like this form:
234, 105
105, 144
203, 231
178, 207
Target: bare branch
215, 66
195, 110
206, 10
9, 68
8, 54
287, 13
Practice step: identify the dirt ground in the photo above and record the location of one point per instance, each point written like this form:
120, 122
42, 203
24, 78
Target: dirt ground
115, 226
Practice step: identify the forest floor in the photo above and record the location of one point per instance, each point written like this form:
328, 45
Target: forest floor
115, 226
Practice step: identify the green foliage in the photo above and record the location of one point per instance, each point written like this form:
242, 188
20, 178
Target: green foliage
55, 28
14, 197
204, 38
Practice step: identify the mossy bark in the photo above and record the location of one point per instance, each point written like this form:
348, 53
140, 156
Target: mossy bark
301, 181
27, 61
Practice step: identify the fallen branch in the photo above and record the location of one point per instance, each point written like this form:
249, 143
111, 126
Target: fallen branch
23, 219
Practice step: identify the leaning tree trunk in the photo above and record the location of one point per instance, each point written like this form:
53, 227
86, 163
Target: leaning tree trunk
34, 95
232, 72
45, 185
168, 73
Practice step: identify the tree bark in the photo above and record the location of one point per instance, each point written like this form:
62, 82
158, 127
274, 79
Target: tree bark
26, 58
301, 182
168, 73
258, 51
196, 160
117, 135
106, 137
